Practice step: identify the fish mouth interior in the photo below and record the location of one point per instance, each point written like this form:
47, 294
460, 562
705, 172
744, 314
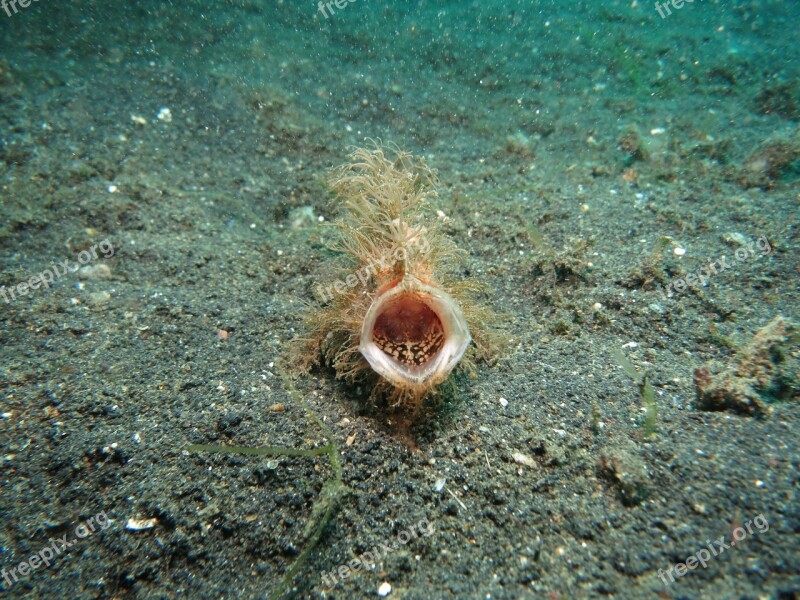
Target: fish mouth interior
409, 331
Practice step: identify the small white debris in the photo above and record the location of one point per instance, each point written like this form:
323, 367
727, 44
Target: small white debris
597, 306
760, 483
523, 459
439, 485
112, 189
165, 115
98, 271
457, 499
503, 402
6, 415
385, 589
734, 239
99, 298
140, 524
301, 217
630, 345
139, 120
679, 251
658, 131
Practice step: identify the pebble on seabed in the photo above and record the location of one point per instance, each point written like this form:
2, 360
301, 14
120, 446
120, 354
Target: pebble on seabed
385, 589
98, 271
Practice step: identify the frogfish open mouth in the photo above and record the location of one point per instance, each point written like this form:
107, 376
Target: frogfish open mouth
413, 335
393, 311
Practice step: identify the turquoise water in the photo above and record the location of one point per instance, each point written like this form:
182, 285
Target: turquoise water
434, 74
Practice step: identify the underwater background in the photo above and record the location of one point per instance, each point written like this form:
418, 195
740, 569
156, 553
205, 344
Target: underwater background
624, 180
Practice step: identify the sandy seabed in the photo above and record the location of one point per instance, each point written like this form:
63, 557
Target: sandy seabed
594, 160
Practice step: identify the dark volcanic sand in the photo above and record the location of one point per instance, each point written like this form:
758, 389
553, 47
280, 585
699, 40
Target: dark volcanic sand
570, 140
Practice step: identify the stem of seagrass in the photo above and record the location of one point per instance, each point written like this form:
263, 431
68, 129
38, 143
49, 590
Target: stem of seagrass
332, 489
